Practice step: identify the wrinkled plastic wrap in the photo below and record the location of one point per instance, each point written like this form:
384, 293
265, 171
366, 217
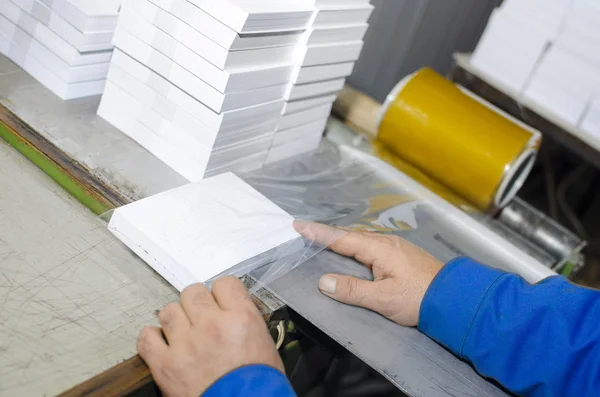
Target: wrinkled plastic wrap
345, 187
342, 186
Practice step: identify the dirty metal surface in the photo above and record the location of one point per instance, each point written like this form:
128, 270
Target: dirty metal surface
72, 298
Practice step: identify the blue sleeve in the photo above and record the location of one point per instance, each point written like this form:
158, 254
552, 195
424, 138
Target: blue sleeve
535, 340
255, 380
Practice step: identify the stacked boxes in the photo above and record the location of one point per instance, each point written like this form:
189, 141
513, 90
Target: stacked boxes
323, 60
200, 83
550, 58
64, 44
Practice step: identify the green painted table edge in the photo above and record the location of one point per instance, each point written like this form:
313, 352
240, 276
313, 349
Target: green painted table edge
53, 170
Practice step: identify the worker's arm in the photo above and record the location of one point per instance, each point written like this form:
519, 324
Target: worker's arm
214, 344
535, 340
251, 381
541, 340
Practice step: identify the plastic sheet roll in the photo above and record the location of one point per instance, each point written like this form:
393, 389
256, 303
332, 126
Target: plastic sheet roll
458, 140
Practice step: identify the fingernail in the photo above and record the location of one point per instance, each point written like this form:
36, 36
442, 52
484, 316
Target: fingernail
327, 284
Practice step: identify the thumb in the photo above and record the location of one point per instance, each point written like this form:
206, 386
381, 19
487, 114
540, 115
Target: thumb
349, 290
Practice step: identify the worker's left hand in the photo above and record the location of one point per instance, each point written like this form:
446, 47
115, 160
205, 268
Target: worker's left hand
207, 336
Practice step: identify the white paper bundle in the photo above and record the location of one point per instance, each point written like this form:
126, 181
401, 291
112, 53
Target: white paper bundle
291, 148
186, 153
194, 85
549, 22
138, 16
64, 44
580, 33
259, 16
335, 34
82, 41
591, 120
510, 50
155, 89
342, 14
302, 104
38, 70
564, 84
204, 85
222, 34
198, 231
322, 54
306, 116
155, 43
87, 15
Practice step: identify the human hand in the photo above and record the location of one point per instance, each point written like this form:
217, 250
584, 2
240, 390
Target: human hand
402, 272
207, 336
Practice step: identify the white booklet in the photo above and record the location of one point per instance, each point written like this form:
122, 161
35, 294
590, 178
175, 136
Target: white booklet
198, 231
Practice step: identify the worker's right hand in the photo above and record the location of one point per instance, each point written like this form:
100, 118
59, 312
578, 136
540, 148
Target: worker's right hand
402, 272
205, 337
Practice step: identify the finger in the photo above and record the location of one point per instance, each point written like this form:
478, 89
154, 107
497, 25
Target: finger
174, 322
151, 346
230, 293
197, 302
365, 247
349, 290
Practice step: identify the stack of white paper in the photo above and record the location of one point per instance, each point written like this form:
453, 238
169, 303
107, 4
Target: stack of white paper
516, 37
564, 84
591, 119
580, 33
198, 231
568, 76
551, 58
200, 83
323, 60
65, 44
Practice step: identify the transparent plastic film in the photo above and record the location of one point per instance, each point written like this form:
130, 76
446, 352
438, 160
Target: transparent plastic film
270, 266
339, 187
220, 226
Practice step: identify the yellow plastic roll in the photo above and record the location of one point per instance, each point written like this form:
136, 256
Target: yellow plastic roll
457, 139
